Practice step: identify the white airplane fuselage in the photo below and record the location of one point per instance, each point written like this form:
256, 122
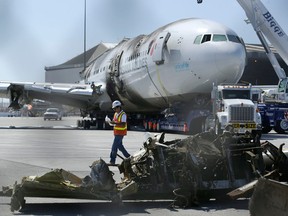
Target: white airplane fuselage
174, 64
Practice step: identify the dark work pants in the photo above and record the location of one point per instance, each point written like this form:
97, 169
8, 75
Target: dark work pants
117, 144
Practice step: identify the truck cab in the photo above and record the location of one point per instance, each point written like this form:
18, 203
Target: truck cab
235, 111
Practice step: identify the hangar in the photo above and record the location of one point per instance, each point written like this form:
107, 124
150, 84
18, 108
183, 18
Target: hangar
70, 71
258, 71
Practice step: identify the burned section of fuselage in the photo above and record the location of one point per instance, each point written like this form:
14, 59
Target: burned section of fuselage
16, 94
59, 183
198, 167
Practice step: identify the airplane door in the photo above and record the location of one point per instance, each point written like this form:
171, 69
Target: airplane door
158, 55
115, 64
115, 83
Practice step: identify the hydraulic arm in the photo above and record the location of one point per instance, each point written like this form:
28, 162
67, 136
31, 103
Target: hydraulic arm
265, 24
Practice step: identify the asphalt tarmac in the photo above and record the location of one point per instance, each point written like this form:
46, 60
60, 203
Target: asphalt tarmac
32, 146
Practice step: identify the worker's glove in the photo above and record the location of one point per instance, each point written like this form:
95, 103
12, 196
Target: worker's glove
107, 119
111, 124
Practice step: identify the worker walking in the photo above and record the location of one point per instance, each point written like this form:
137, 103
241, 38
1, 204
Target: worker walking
120, 130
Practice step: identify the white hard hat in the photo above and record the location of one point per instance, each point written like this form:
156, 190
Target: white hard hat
116, 103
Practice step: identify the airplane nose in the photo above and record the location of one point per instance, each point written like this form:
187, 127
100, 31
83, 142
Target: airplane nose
231, 59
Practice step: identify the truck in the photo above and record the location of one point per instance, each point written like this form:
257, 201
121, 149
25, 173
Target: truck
274, 116
234, 111
232, 107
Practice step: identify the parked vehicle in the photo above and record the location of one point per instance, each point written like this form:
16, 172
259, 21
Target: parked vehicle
274, 116
235, 111
53, 113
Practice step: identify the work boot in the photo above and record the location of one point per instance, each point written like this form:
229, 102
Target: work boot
111, 163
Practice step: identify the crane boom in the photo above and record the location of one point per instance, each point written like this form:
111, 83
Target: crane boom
265, 24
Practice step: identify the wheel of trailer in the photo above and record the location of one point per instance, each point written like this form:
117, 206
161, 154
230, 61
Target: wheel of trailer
284, 124
281, 126
196, 125
100, 125
266, 129
86, 124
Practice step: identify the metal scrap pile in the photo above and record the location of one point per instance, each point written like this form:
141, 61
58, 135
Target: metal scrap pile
186, 170
198, 167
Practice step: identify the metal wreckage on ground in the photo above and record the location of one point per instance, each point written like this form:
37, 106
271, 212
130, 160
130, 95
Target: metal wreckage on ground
186, 171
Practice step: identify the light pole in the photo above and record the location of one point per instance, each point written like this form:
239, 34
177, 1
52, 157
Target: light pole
84, 36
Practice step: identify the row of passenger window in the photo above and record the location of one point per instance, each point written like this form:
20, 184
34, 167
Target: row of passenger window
216, 38
130, 58
198, 40
136, 55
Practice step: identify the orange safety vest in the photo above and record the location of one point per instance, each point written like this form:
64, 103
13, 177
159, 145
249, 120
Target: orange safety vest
119, 129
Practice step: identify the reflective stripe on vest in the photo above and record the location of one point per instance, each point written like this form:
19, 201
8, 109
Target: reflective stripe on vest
120, 129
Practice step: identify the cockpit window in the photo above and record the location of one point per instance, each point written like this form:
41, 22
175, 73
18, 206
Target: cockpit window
218, 37
234, 38
198, 39
206, 38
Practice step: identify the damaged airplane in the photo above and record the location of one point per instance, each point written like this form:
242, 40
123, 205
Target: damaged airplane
186, 171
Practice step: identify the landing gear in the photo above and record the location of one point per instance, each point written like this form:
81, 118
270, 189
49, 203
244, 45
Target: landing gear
87, 124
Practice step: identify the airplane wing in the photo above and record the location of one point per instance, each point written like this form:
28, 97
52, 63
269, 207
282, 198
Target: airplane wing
77, 95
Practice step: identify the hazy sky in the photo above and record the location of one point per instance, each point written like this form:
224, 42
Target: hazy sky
39, 33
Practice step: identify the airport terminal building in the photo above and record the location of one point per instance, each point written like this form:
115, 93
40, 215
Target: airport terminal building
258, 71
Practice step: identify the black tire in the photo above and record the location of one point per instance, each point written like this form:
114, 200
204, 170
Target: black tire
100, 125
196, 125
279, 127
86, 124
266, 129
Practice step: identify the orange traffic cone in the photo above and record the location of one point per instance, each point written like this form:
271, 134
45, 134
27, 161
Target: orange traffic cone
185, 128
